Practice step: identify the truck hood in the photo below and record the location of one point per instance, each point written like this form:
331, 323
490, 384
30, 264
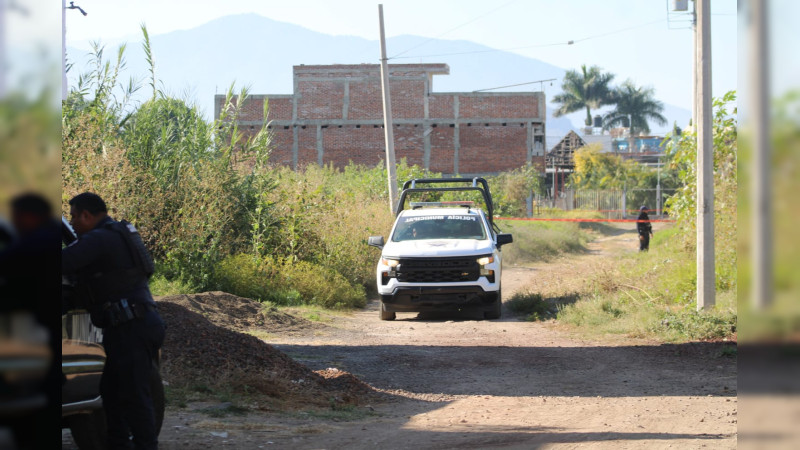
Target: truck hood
437, 247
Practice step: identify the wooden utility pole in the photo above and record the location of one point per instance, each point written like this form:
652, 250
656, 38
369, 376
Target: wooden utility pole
761, 192
706, 289
387, 119
695, 68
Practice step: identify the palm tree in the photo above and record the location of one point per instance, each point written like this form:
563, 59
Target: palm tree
588, 89
635, 106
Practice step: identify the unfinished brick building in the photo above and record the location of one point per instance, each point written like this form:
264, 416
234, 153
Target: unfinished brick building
336, 116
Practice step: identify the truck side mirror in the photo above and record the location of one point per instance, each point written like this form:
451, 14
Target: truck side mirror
376, 241
504, 238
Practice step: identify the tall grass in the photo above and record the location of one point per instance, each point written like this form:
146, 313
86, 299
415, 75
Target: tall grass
652, 295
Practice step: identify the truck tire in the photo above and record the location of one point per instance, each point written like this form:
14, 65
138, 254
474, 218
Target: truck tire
386, 315
496, 310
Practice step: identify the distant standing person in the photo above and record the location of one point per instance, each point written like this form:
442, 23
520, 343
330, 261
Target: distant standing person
645, 229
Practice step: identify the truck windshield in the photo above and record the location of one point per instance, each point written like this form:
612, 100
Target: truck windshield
439, 227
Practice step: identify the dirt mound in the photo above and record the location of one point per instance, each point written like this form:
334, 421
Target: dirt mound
345, 383
198, 352
237, 313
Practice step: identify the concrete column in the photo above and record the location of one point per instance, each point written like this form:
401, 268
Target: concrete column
346, 101
529, 144
426, 139
320, 150
426, 99
295, 143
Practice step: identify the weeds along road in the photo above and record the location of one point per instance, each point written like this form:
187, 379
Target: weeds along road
457, 382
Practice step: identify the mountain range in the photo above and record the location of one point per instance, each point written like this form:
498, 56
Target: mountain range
258, 52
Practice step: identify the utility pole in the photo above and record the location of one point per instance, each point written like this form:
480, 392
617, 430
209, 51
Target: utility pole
64, 50
706, 289
387, 119
761, 192
64, 8
694, 64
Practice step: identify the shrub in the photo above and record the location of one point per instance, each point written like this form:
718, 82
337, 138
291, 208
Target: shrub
287, 283
532, 305
318, 285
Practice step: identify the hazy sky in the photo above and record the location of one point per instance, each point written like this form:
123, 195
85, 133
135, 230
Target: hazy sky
634, 39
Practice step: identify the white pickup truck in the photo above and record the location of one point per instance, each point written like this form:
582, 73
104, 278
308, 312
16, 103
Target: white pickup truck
441, 255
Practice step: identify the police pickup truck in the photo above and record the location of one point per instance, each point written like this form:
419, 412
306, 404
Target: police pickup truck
441, 255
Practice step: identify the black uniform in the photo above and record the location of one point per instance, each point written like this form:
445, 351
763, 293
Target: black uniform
645, 229
103, 262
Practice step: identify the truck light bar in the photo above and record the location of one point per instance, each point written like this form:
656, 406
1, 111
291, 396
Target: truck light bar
416, 205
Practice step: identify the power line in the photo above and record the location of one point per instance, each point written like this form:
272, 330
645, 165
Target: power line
571, 42
515, 85
454, 29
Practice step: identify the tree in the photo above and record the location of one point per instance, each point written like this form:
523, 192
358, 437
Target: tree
595, 169
634, 106
587, 89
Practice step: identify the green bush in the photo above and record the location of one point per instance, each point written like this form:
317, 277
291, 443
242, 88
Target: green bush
532, 305
259, 279
287, 283
318, 285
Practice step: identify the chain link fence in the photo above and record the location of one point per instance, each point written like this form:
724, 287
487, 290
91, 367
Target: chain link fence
614, 204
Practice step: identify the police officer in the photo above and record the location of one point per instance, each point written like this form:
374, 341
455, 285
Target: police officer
113, 271
644, 228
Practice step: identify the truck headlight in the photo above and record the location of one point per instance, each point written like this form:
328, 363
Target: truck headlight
485, 260
390, 262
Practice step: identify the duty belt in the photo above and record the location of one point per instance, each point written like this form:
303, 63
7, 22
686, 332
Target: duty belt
121, 311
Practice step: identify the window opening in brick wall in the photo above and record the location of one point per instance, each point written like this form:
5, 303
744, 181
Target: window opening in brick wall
452, 125
286, 127
303, 127
433, 126
358, 126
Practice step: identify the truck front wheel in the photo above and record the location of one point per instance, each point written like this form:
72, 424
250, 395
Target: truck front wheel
496, 310
386, 315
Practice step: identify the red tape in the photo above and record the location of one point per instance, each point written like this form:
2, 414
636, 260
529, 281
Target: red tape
542, 219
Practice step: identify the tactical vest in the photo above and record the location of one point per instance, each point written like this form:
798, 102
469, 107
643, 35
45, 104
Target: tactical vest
141, 257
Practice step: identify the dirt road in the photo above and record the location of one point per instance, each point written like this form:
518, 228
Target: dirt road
458, 382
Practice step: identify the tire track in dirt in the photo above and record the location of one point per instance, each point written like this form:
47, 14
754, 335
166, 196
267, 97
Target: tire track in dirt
454, 380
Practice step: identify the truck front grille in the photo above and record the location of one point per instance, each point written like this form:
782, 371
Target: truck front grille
438, 270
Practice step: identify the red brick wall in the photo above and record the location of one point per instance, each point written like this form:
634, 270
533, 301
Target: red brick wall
306, 145
363, 145
280, 109
407, 99
441, 106
476, 107
320, 98
409, 144
442, 150
366, 101
492, 149
281, 146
